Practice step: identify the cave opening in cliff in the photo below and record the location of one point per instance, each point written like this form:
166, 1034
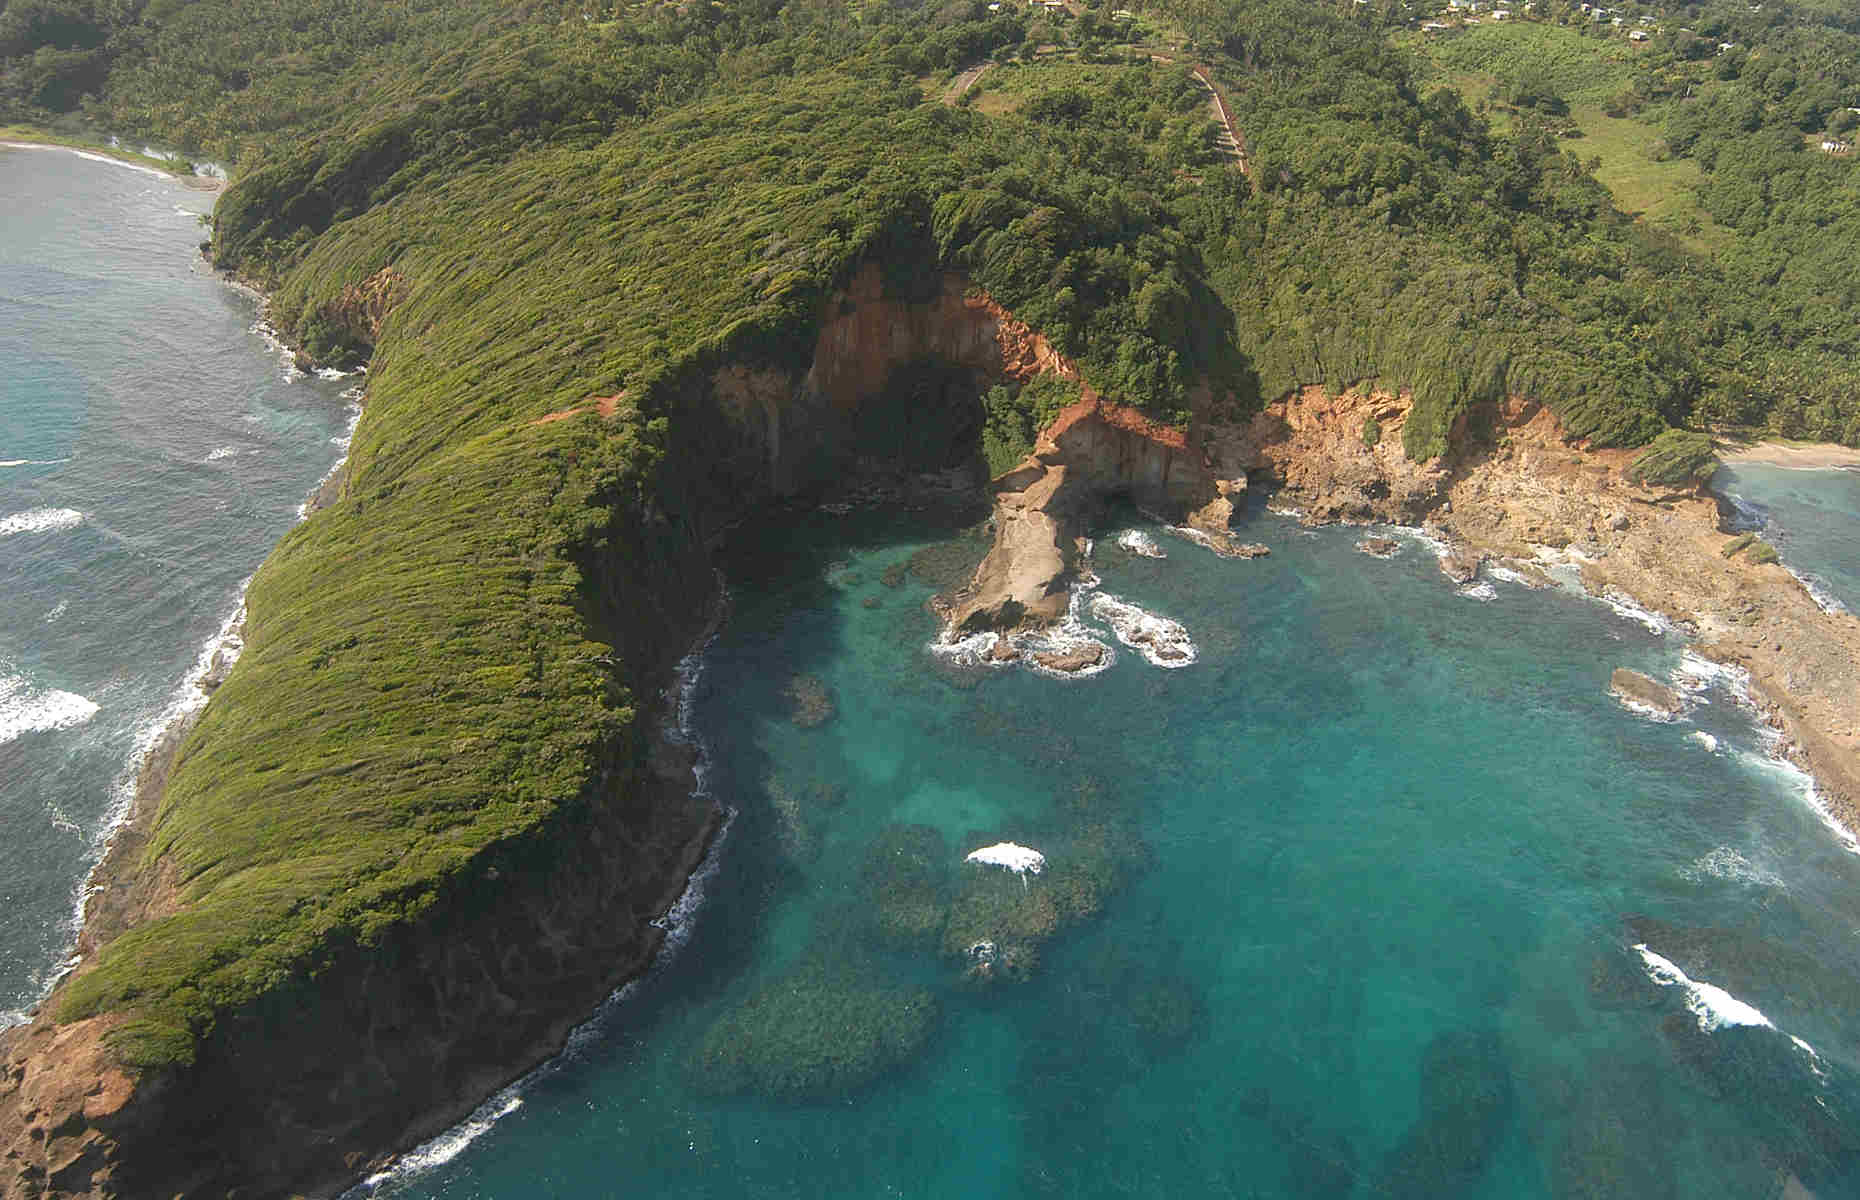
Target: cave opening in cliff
927, 416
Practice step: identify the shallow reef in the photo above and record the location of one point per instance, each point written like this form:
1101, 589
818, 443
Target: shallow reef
819, 1031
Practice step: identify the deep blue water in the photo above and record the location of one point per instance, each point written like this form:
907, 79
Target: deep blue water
152, 451
1810, 516
1384, 860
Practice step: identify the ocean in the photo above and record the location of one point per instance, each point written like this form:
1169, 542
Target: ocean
1810, 516
1382, 894
153, 447
1350, 882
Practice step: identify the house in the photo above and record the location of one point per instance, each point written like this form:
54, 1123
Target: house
1618, 22
1434, 27
1723, 46
1122, 14
1503, 14
1639, 35
1836, 146
1646, 20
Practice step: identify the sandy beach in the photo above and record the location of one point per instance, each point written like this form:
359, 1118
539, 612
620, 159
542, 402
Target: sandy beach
1801, 456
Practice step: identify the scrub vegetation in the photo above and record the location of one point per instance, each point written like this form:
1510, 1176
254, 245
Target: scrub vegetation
587, 209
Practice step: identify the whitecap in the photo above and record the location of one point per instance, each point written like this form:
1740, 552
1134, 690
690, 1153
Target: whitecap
332, 373
40, 520
57, 611
26, 709
1009, 856
1140, 543
1704, 739
1285, 510
1160, 640
219, 452
1712, 1006
32, 462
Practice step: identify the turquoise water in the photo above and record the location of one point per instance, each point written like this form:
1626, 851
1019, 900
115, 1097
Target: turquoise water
151, 452
1350, 907
1811, 517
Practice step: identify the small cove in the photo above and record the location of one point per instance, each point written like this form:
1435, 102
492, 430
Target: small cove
1367, 883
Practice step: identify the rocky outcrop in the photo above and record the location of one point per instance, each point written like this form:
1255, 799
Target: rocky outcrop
1527, 493
1320, 450
1636, 690
1091, 451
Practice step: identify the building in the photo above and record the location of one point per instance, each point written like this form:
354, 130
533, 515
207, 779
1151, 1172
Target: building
1639, 35
1836, 146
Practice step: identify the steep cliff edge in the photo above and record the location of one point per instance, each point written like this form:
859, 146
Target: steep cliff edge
1519, 490
325, 1055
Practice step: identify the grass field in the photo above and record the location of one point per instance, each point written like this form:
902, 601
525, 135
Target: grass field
1586, 71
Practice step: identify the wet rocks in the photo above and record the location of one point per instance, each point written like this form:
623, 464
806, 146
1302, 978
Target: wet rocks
1637, 690
1460, 565
1078, 658
1380, 547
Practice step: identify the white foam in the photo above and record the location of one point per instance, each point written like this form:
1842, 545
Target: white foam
32, 462
1704, 739
58, 610
102, 158
332, 373
27, 709
287, 358
1724, 862
1696, 673
1658, 715
347, 438
40, 520
1817, 589
1286, 510
1628, 607
219, 452
1162, 641
1477, 591
1713, 1007
450, 1144
1140, 543
1801, 783
1506, 575
1009, 856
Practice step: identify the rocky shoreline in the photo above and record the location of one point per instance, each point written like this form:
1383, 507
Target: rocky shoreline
1527, 496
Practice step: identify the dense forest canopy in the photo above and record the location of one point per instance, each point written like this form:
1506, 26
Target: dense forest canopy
1387, 231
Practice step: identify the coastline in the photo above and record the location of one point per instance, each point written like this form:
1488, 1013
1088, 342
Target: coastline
1530, 494
1794, 456
20, 137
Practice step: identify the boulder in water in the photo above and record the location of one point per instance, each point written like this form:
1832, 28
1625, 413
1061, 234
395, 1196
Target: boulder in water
1637, 691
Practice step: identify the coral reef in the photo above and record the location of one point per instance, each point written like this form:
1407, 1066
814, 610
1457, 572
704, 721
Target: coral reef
813, 703
904, 885
820, 1031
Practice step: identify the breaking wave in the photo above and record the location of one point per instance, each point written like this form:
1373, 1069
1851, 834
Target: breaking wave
26, 709
40, 520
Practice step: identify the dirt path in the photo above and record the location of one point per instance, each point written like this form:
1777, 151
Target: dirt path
1230, 143
960, 86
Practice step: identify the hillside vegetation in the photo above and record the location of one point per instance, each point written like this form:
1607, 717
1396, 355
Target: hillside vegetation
579, 204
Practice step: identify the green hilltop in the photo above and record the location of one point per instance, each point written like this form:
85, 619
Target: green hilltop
575, 202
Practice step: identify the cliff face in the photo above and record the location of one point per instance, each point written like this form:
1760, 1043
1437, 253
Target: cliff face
1528, 491
390, 1043
325, 1076
890, 382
